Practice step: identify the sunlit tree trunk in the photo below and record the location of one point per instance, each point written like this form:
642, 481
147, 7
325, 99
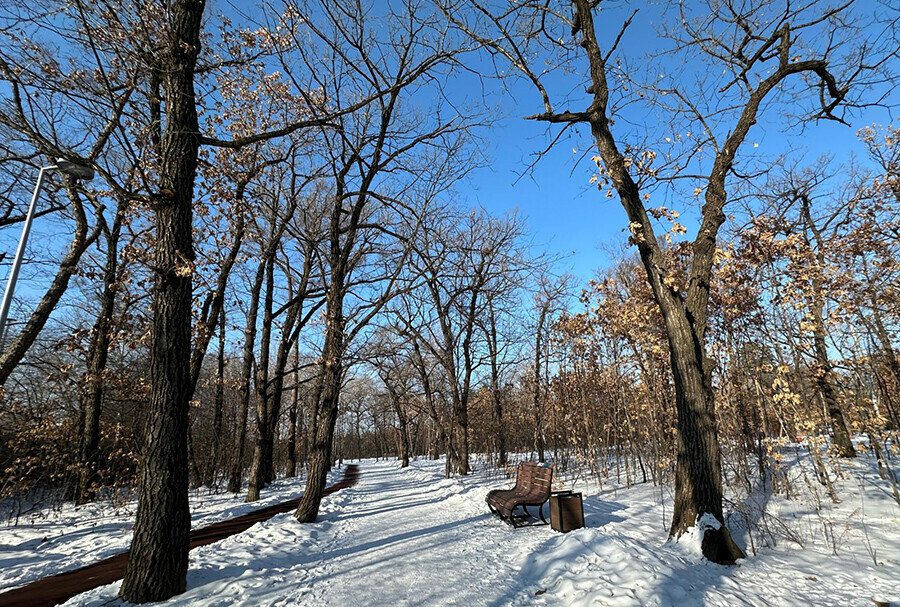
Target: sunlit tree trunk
158, 559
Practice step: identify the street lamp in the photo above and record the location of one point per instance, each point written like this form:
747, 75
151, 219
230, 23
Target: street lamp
64, 166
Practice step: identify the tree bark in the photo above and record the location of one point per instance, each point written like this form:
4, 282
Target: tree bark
332, 374
292, 416
264, 443
823, 372
158, 560
493, 353
92, 394
698, 474
237, 471
403, 429
270, 383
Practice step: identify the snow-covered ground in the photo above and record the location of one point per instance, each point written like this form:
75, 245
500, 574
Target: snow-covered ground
411, 537
50, 541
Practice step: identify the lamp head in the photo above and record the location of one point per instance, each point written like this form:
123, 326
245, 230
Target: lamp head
77, 171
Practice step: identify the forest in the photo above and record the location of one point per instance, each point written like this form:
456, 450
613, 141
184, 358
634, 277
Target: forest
258, 253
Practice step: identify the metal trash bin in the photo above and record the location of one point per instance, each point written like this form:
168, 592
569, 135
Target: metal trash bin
566, 511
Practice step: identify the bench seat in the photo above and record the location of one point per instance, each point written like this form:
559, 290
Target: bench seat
533, 485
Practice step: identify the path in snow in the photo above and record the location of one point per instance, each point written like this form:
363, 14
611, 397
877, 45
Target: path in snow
404, 539
399, 537
409, 537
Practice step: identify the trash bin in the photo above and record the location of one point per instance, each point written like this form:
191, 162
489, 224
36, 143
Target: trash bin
566, 511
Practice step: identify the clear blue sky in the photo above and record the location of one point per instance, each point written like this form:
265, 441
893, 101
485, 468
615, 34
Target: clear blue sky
564, 212
571, 217
574, 219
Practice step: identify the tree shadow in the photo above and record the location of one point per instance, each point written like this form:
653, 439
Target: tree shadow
598, 513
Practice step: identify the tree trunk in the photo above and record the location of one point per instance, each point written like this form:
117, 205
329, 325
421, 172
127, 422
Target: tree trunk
219, 406
403, 433
493, 352
823, 372
264, 443
698, 480
884, 340
270, 386
332, 372
92, 396
822, 375
292, 416
536, 394
237, 471
158, 559
461, 434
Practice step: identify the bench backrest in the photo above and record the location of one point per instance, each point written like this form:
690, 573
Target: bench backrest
534, 479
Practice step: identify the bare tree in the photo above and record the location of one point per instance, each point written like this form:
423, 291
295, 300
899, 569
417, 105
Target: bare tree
759, 49
549, 297
461, 259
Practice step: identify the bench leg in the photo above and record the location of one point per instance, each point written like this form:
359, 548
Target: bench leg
541, 513
519, 521
512, 520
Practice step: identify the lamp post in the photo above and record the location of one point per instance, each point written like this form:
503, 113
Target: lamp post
64, 166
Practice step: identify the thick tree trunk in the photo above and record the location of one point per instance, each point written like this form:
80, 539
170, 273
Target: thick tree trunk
698, 481
698, 470
698, 467
461, 434
158, 560
328, 389
262, 454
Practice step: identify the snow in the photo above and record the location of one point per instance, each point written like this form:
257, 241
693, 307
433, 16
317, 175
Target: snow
411, 537
51, 541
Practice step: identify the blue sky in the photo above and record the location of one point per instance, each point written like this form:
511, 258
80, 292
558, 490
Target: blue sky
565, 213
574, 219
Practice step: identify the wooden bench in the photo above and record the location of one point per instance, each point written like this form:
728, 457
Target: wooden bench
533, 484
